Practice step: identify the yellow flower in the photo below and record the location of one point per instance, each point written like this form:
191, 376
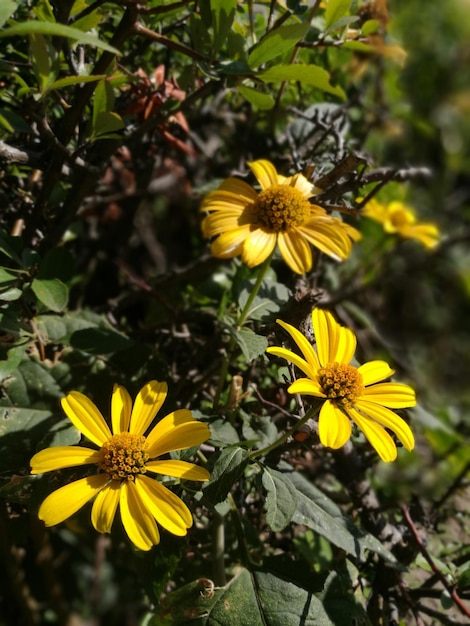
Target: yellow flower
124, 457
250, 224
350, 393
398, 218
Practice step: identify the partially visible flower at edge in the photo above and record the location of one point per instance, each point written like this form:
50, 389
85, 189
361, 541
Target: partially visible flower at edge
398, 218
245, 223
350, 393
123, 458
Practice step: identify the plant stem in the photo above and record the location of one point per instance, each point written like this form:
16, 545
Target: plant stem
311, 413
241, 319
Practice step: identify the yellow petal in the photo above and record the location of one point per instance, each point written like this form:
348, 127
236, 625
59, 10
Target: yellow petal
67, 500
298, 181
390, 420
306, 386
327, 235
295, 251
147, 404
377, 435
427, 234
176, 431
169, 511
225, 200
85, 416
373, 371
221, 222
305, 347
335, 343
121, 406
178, 469
240, 188
265, 173
257, 246
393, 395
334, 428
59, 457
293, 358
137, 520
230, 244
105, 506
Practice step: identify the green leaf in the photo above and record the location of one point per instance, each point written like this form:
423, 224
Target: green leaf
223, 13
10, 246
52, 292
41, 54
103, 100
342, 23
107, 124
99, 341
72, 80
7, 277
262, 101
226, 468
261, 598
10, 294
277, 42
251, 344
316, 511
56, 30
305, 74
335, 10
259, 429
281, 500
7, 8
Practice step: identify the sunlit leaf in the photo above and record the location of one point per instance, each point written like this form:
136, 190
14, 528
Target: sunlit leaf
307, 74
277, 42
57, 30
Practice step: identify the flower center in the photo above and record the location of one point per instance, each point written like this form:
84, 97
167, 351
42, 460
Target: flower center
124, 456
341, 383
281, 207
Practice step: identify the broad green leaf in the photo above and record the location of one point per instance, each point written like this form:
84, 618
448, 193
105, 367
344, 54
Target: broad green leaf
261, 598
57, 263
11, 358
335, 10
7, 8
305, 74
10, 294
316, 511
33, 386
199, 34
223, 13
57, 30
370, 27
52, 292
6, 276
103, 101
222, 432
259, 429
277, 42
251, 344
281, 500
99, 341
226, 468
262, 101
107, 124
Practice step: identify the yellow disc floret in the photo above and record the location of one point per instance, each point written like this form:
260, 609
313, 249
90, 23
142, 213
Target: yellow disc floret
341, 383
281, 207
123, 456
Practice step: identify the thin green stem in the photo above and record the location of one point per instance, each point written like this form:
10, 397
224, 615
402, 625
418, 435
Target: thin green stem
311, 413
240, 321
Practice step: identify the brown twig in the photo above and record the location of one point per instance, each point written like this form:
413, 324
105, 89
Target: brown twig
422, 548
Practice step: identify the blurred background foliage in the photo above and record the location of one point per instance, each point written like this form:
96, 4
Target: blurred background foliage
105, 277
